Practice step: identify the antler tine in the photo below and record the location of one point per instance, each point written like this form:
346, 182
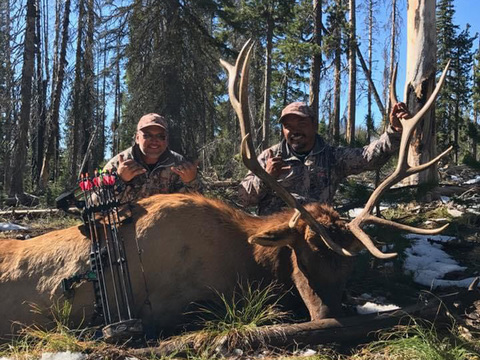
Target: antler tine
401, 171
239, 102
393, 88
234, 89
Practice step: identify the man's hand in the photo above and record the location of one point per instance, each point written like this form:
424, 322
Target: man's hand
128, 169
275, 165
187, 171
399, 111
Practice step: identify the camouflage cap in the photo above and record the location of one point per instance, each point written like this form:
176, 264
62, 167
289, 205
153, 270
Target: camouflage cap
297, 108
152, 119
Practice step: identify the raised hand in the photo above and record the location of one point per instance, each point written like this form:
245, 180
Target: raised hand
128, 169
399, 111
187, 171
275, 165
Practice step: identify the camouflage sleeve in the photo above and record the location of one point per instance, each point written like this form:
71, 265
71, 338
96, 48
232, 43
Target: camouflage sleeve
196, 185
124, 192
350, 161
252, 189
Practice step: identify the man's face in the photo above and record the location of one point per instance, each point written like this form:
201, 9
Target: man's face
153, 141
299, 132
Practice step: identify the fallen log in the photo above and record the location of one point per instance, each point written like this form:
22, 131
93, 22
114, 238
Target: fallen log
341, 330
17, 213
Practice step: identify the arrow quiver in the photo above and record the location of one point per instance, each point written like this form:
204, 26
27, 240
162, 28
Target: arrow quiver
108, 260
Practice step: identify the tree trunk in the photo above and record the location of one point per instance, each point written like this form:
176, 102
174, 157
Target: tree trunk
316, 58
20, 152
57, 86
393, 45
421, 61
268, 82
88, 107
352, 76
117, 107
369, 122
337, 78
9, 99
39, 118
75, 147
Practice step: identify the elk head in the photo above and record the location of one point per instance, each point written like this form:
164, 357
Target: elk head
238, 93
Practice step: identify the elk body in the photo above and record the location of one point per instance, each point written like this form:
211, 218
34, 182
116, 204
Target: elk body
189, 245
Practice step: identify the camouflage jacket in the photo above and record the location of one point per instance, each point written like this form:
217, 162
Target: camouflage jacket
160, 180
317, 177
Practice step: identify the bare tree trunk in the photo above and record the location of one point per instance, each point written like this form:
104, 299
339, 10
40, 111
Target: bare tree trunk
89, 117
476, 80
268, 82
20, 153
75, 147
370, 67
352, 76
38, 118
117, 107
336, 98
316, 58
57, 86
9, 99
392, 61
337, 79
421, 69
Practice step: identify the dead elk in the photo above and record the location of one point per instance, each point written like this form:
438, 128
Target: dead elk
187, 246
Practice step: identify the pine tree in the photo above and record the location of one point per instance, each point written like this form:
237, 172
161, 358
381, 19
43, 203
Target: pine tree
474, 126
171, 70
446, 37
462, 63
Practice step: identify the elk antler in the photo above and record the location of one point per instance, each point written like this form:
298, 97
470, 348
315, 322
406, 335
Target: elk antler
402, 170
238, 94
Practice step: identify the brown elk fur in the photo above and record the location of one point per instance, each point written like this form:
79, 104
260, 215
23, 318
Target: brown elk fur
189, 245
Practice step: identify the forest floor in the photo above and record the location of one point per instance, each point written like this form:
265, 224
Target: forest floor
435, 265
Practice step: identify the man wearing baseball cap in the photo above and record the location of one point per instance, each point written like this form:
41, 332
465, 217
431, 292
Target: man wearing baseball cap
308, 167
150, 167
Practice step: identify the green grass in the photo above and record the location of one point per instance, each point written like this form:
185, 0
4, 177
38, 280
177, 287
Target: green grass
418, 341
34, 340
233, 320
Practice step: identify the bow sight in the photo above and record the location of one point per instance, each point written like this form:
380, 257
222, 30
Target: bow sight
108, 261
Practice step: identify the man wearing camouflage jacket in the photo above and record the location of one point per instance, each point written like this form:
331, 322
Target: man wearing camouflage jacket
149, 167
308, 167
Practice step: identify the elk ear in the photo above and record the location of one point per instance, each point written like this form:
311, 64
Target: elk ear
276, 236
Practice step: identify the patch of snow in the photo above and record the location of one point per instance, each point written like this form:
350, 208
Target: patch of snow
455, 178
434, 238
429, 263
473, 211
476, 180
355, 212
445, 199
306, 352
237, 352
371, 308
67, 355
11, 226
454, 212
